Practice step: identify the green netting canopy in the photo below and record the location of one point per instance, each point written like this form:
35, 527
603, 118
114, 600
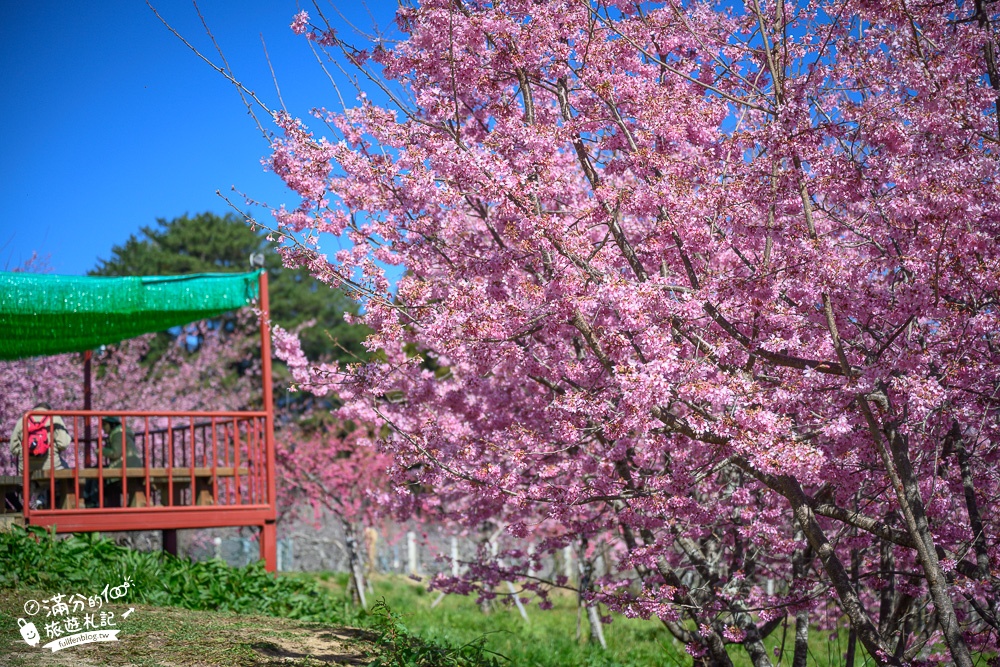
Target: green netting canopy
43, 314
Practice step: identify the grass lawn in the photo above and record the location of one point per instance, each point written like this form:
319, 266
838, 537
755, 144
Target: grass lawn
175, 637
549, 638
206, 613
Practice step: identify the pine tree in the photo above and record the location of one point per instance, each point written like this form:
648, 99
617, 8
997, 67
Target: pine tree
208, 243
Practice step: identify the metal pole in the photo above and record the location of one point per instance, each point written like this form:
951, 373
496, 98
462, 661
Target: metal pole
87, 356
26, 472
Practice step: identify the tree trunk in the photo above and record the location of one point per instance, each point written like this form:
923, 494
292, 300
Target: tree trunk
753, 644
849, 600
596, 628
801, 638
800, 566
887, 596
975, 524
904, 481
586, 577
354, 563
709, 638
852, 636
716, 649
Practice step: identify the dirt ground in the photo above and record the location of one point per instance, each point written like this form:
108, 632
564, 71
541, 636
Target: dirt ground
166, 637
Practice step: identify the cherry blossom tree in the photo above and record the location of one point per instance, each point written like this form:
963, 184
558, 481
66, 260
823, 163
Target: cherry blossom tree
716, 282
334, 473
56, 380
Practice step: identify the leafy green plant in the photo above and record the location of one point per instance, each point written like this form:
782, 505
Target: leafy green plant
398, 647
35, 558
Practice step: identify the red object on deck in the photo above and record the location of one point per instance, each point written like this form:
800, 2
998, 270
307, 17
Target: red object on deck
201, 469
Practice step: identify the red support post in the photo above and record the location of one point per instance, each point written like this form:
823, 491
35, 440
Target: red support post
194, 481
236, 459
123, 501
146, 441
77, 501
52, 463
170, 463
268, 533
100, 462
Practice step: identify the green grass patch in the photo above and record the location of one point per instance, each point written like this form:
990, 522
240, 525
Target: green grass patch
549, 637
547, 640
203, 613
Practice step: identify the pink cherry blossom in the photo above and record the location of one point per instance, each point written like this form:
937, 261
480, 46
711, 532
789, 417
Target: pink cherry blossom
715, 286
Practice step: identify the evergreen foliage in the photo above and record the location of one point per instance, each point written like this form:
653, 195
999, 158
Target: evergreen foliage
207, 243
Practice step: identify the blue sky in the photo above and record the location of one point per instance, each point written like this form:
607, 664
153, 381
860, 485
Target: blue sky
112, 122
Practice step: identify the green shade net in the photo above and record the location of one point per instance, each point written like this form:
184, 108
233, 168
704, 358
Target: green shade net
42, 314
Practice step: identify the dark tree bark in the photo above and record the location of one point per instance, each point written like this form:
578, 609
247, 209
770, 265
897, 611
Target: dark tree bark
852, 635
849, 601
800, 567
887, 595
897, 463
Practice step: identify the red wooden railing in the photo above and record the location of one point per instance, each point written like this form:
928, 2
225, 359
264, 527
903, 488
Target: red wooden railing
189, 470
225, 449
